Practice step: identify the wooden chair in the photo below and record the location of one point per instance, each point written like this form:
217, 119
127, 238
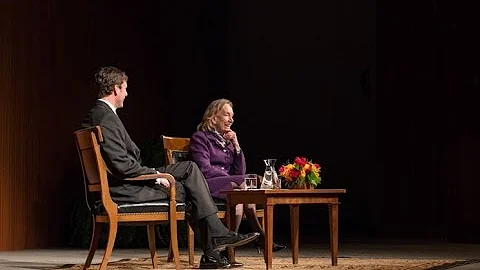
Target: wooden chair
105, 210
176, 149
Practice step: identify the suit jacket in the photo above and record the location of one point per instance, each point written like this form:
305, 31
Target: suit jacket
122, 157
219, 164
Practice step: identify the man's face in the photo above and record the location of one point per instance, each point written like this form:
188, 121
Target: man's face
120, 94
223, 120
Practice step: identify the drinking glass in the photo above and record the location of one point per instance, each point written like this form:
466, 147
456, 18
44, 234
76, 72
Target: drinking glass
250, 181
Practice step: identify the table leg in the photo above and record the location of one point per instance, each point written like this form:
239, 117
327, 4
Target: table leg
268, 235
294, 230
333, 220
230, 216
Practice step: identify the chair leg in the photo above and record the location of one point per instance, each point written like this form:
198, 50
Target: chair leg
170, 252
93, 243
191, 243
174, 242
112, 234
170, 256
261, 214
191, 247
151, 245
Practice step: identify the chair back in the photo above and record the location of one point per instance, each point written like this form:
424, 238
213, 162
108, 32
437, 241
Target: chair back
93, 167
176, 149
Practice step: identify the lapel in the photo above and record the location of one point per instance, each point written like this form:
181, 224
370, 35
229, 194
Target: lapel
211, 137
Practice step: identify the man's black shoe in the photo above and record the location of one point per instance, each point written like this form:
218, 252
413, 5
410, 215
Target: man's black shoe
234, 264
214, 262
233, 239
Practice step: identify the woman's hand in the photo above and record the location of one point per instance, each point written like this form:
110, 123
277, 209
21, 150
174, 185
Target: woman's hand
230, 135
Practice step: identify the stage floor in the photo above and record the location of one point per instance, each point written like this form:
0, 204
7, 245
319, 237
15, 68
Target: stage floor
55, 258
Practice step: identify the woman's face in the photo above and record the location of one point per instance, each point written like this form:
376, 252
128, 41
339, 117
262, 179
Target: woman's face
223, 120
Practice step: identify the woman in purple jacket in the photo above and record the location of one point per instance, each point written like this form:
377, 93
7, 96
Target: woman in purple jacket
215, 149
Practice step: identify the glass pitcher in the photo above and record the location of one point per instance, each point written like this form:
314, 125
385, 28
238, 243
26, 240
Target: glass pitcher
270, 177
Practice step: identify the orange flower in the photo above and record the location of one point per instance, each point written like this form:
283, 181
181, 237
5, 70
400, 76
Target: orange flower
307, 168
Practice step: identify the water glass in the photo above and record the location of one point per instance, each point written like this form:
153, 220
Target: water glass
250, 181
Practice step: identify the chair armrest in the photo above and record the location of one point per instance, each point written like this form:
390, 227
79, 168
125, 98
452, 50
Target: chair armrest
153, 176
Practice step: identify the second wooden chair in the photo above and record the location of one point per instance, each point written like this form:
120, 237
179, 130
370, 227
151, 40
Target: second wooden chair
176, 150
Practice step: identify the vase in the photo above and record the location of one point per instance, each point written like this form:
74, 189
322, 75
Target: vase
303, 186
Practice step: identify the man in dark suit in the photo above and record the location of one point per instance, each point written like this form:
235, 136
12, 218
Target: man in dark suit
122, 158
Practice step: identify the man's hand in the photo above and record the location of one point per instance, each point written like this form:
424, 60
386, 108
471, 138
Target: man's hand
163, 182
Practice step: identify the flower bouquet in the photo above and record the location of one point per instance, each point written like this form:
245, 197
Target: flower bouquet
302, 173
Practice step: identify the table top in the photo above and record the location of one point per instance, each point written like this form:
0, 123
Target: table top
284, 191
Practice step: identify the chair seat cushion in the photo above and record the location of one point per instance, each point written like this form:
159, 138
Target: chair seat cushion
160, 206
146, 207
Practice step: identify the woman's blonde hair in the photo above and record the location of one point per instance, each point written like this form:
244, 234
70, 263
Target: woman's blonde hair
213, 108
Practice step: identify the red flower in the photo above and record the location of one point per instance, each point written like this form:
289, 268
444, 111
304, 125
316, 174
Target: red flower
294, 173
281, 169
317, 166
301, 161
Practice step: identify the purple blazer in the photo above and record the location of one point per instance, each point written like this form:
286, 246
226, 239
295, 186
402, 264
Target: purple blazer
220, 165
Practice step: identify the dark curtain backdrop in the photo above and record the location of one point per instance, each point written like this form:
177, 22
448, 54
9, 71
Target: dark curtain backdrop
427, 81
382, 95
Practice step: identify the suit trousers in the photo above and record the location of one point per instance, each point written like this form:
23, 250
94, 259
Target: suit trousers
188, 174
